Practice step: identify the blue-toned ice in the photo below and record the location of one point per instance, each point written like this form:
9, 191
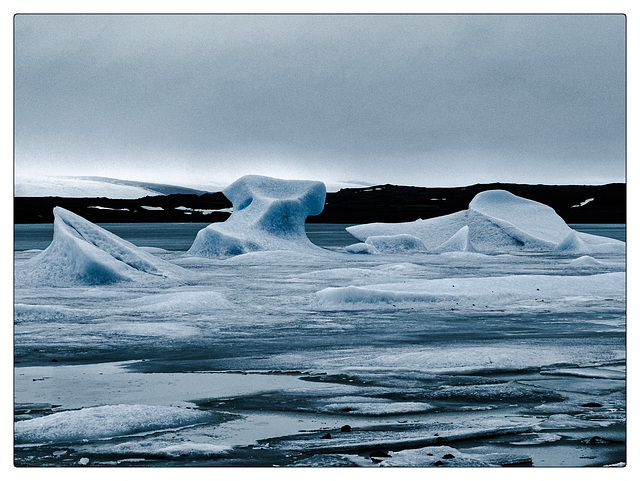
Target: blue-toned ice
496, 323
496, 221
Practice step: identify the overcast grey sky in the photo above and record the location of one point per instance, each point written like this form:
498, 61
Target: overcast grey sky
410, 99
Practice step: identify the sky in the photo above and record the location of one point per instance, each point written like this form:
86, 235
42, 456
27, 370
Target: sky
429, 100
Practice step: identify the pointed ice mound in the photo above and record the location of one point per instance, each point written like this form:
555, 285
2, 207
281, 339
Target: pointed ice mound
496, 221
268, 214
81, 253
572, 243
459, 242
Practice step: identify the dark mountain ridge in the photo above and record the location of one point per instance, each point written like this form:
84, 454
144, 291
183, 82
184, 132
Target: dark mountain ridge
576, 204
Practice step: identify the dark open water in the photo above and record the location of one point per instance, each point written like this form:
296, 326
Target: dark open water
180, 236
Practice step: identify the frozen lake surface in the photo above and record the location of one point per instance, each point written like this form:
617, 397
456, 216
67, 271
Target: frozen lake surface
179, 236
325, 359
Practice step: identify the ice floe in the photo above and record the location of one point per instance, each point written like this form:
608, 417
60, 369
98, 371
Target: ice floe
104, 422
268, 214
567, 421
373, 406
82, 253
402, 437
193, 302
459, 293
533, 439
448, 456
496, 221
157, 446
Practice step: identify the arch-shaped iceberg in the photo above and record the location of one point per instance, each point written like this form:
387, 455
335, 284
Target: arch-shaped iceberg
268, 214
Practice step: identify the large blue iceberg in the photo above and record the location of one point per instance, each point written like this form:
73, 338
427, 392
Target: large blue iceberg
496, 221
268, 214
82, 253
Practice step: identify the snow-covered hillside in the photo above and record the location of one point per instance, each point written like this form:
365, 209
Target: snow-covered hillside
113, 188
69, 186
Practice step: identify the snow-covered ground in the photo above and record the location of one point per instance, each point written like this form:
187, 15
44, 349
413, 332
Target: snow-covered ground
317, 356
59, 186
77, 186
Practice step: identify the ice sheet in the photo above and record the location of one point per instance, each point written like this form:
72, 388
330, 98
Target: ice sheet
246, 335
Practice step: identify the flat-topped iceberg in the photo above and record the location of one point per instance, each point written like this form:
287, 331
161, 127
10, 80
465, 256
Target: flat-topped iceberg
496, 221
268, 214
82, 253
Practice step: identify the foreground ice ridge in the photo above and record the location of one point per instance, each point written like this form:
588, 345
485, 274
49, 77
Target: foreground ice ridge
82, 253
504, 292
496, 221
268, 214
104, 422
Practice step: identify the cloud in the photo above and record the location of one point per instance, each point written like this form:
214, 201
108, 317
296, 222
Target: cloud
346, 93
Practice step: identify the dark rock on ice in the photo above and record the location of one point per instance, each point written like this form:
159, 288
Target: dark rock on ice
379, 454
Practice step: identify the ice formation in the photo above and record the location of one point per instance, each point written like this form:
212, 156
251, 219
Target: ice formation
448, 456
496, 221
360, 248
526, 291
585, 262
356, 405
104, 422
192, 302
82, 253
394, 244
268, 214
459, 242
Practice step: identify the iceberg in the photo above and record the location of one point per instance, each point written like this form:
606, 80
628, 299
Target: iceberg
82, 253
496, 221
268, 214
